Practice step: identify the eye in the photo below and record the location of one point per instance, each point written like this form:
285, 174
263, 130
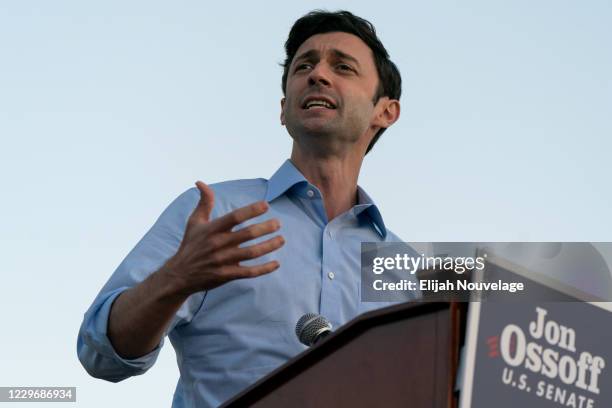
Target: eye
302, 66
345, 67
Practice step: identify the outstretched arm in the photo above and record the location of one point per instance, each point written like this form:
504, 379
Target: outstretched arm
209, 256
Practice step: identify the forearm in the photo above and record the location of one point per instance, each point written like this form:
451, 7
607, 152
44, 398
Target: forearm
208, 256
140, 315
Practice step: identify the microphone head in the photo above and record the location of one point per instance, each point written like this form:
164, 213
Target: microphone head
311, 327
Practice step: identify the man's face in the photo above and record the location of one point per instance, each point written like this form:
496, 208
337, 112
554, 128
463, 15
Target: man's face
330, 86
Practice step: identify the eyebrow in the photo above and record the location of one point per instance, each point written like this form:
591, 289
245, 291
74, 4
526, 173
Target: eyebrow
314, 54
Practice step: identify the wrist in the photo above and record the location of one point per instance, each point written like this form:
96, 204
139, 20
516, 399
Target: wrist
172, 283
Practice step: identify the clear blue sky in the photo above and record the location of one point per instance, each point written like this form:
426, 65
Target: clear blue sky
110, 110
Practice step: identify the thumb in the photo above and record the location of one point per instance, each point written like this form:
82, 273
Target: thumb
206, 203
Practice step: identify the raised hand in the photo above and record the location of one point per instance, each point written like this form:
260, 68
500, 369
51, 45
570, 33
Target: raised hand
210, 253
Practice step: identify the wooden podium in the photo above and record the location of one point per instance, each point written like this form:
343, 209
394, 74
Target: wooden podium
400, 356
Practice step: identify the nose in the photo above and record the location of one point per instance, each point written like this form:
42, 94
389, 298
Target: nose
319, 75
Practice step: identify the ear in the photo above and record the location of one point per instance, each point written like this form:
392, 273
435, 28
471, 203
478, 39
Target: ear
386, 113
282, 115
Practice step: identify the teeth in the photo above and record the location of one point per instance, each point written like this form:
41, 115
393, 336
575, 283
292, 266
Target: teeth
318, 103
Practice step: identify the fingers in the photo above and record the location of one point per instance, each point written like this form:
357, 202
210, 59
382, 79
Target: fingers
206, 203
236, 254
230, 220
240, 272
246, 234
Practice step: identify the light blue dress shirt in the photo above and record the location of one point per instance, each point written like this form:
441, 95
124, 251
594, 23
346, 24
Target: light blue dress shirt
227, 338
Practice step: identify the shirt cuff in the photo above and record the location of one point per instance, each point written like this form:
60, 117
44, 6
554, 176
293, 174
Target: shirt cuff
96, 335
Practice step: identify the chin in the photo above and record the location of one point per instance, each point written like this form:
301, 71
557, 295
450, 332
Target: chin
320, 125
318, 131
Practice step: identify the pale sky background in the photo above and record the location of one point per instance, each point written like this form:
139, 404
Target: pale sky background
108, 111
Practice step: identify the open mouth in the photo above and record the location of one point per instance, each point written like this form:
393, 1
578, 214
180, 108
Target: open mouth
318, 104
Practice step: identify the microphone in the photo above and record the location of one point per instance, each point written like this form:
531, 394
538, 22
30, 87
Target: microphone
311, 328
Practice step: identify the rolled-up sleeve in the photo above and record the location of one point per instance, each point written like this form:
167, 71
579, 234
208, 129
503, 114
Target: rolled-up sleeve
94, 349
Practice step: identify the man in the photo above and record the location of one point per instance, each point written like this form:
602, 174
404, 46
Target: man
210, 275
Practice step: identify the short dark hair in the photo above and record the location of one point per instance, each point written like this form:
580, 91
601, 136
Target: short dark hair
320, 22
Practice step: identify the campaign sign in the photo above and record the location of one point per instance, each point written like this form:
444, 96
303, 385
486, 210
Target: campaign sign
537, 353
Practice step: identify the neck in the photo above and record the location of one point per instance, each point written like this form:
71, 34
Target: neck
336, 178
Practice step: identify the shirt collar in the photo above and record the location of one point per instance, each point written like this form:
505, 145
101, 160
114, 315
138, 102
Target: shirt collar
366, 204
285, 177
288, 176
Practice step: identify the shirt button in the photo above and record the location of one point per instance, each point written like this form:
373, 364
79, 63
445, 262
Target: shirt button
331, 275
310, 193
